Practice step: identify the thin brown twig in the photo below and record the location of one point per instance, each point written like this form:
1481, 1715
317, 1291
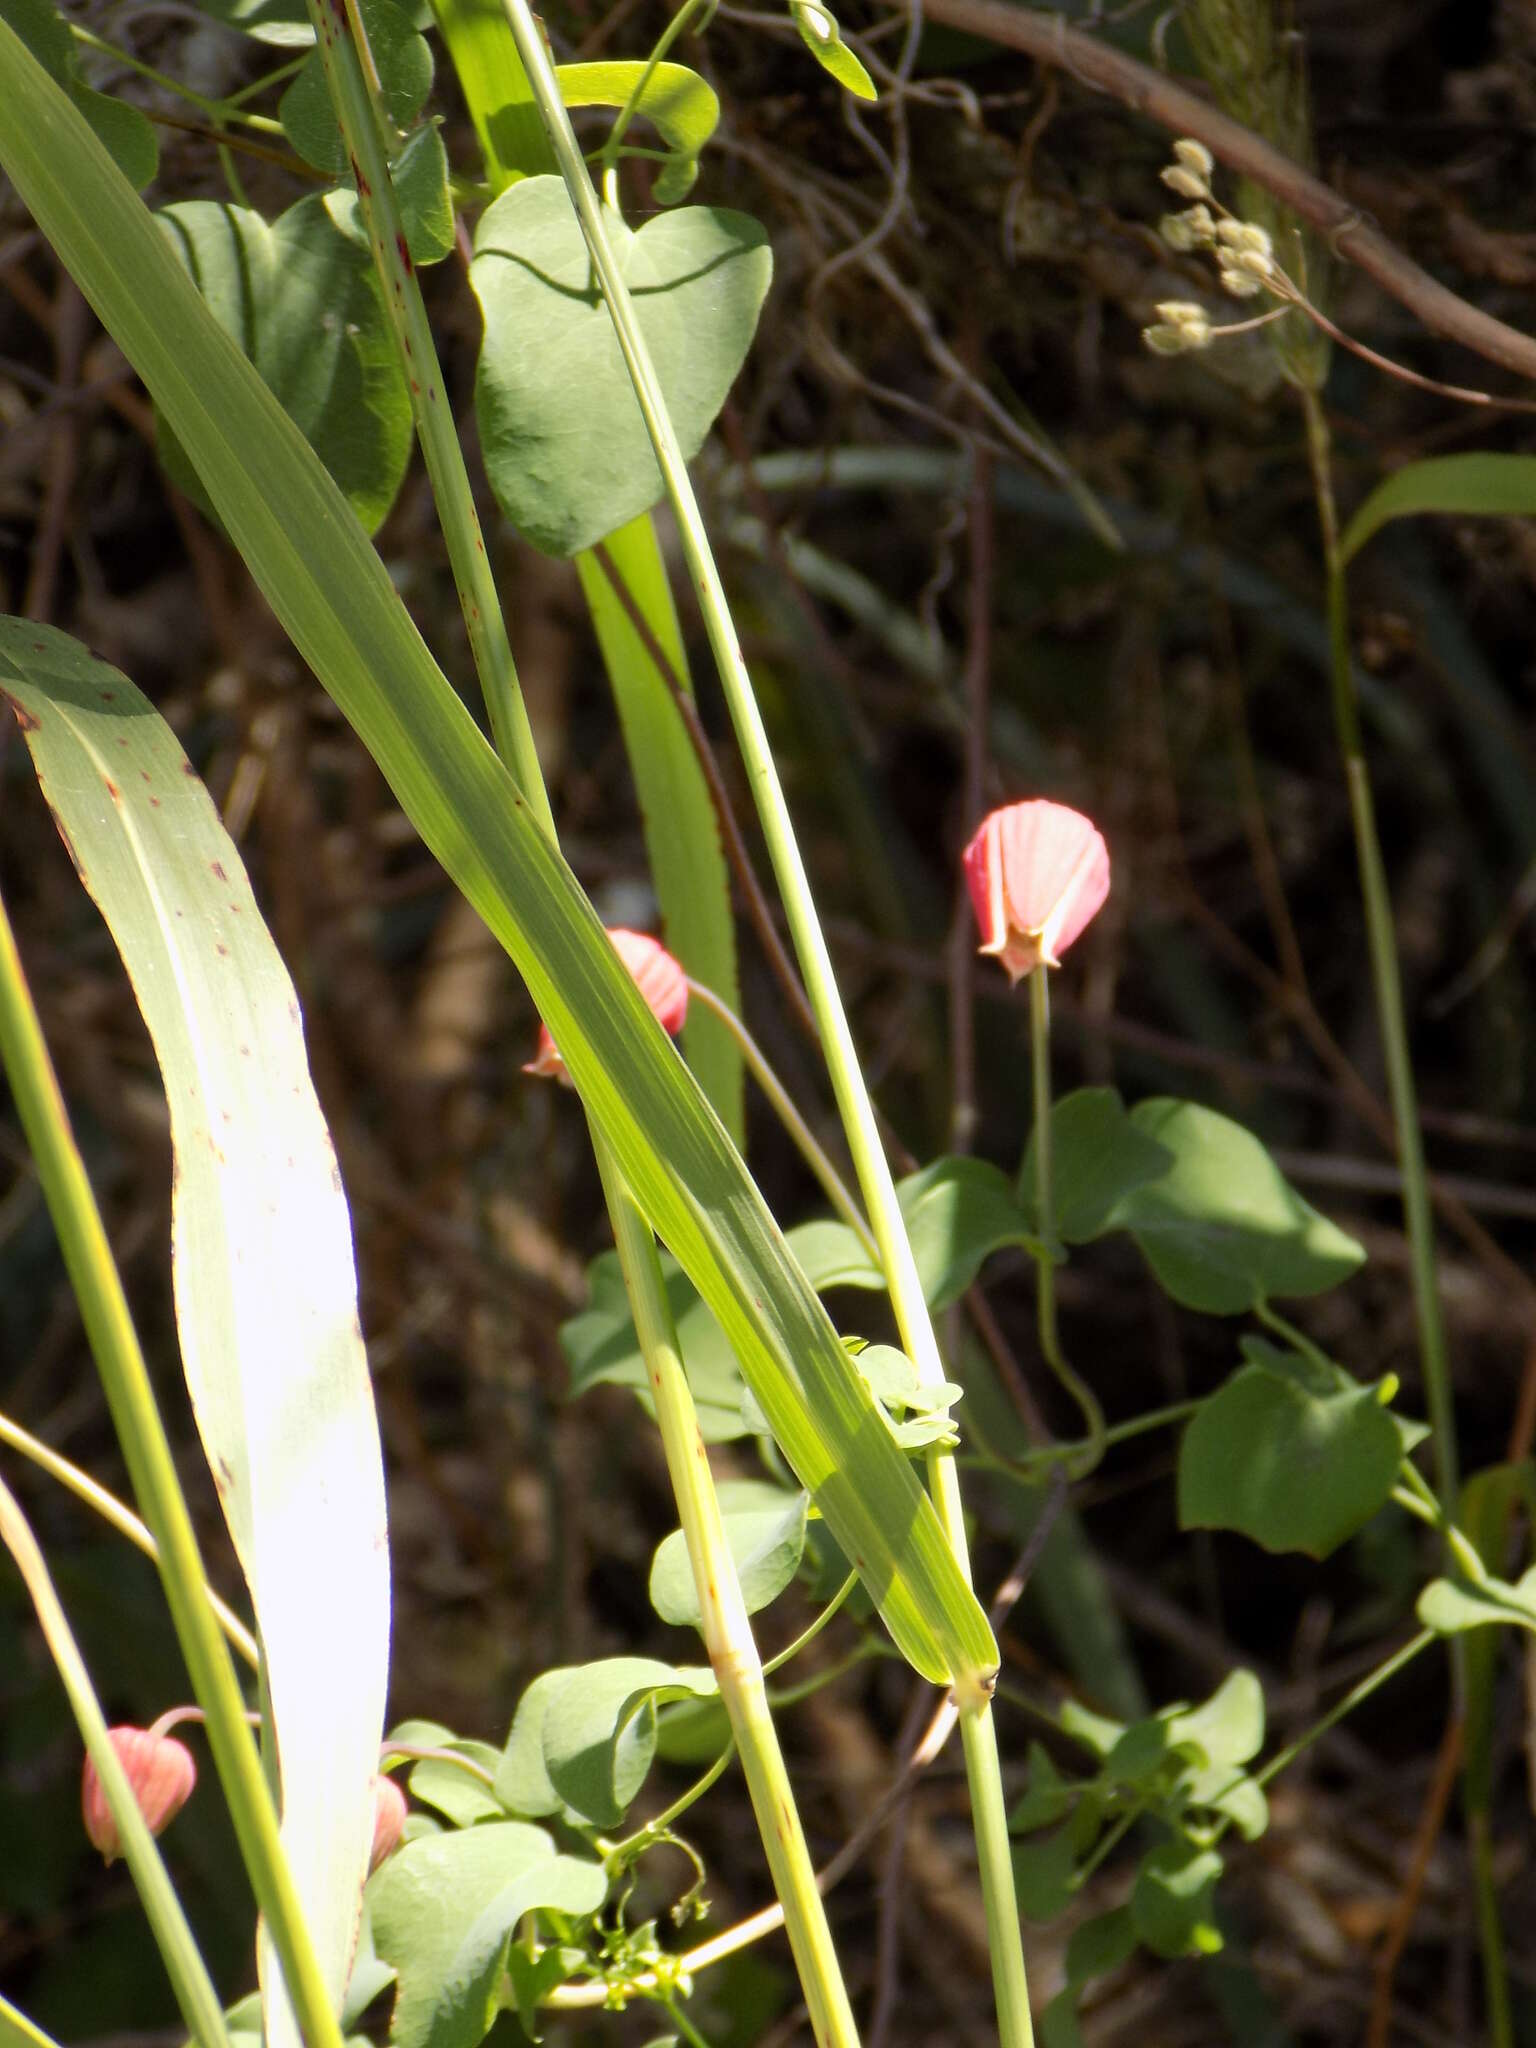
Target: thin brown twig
1048, 39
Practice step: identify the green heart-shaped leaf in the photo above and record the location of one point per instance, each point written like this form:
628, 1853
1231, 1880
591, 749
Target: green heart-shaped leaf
565, 445
300, 300
1289, 1466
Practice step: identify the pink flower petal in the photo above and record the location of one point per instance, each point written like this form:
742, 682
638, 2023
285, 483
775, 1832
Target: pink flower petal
659, 979
1037, 872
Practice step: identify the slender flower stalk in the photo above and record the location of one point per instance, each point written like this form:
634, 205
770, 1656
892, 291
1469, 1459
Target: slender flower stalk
780, 1102
1045, 1223
1038, 873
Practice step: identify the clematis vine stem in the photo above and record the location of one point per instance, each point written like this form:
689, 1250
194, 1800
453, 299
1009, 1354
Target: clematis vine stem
1092, 1449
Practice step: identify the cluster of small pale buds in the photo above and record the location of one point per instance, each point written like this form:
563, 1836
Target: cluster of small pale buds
1243, 252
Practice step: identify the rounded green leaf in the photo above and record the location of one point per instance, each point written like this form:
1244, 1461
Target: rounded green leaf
1100, 1945
959, 1211
1172, 1901
1100, 1155
1450, 1606
1292, 1468
601, 1347
1042, 1874
419, 176
564, 442
1229, 1728
445, 1909
1221, 1227
600, 1730
299, 298
765, 1533
122, 129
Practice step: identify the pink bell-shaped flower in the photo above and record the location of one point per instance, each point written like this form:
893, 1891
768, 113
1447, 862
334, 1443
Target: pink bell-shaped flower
389, 1810
162, 1774
659, 979
1037, 873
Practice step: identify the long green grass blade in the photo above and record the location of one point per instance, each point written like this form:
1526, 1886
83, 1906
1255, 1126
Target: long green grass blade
334, 597
682, 835
266, 1294
1480, 483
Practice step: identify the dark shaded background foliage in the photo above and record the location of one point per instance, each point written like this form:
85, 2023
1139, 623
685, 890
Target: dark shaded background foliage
1150, 688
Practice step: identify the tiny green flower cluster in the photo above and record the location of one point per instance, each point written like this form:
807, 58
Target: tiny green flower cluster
1243, 253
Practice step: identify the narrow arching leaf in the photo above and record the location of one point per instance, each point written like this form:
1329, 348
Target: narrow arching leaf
565, 445
266, 1294
333, 595
445, 1909
1483, 484
682, 833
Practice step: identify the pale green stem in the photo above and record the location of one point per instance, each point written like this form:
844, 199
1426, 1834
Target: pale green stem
1045, 1227
141, 1434
1355, 1697
492, 651
654, 1829
784, 1109
24, 2033
219, 112
808, 1635
1414, 1493
120, 1517
608, 155
726, 1630
972, 1688
1021, 1466
195, 1995
1381, 943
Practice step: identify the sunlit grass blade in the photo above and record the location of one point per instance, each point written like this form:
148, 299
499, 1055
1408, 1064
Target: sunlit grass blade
266, 1294
333, 595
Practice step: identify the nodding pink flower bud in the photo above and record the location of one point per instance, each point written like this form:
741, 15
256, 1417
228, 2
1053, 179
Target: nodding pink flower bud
657, 976
162, 1774
1037, 873
389, 1812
